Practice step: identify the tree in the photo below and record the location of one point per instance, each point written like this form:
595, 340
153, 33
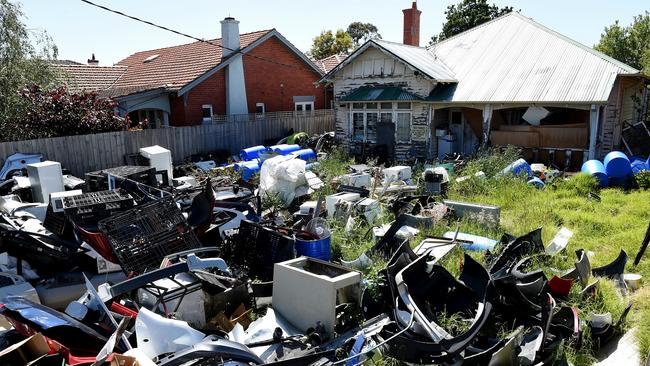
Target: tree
467, 15
328, 44
362, 32
631, 44
21, 63
55, 112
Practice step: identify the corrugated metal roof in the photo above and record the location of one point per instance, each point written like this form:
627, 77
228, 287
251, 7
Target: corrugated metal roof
419, 58
370, 94
514, 59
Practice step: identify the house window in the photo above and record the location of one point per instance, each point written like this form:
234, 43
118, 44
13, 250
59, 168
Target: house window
207, 112
260, 108
386, 117
403, 127
304, 107
371, 126
404, 105
357, 126
386, 105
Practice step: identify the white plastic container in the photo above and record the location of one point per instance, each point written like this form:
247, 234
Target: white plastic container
159, 158
359, 180
397, 173
45, 178
332, 200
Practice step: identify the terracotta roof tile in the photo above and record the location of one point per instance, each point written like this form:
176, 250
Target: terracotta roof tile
328, 63
90, 78
174, 67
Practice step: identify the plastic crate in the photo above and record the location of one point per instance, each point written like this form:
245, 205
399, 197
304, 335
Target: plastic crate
257, 248
55, 222
98, 180
94, 206
143, 236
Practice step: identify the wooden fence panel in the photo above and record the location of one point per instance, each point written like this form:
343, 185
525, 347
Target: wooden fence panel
84, 153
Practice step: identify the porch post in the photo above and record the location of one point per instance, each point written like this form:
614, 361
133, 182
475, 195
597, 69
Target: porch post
165, 121
487, 119
432, 151
594, 117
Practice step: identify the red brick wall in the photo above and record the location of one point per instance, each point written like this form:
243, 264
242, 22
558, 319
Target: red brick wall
263, 79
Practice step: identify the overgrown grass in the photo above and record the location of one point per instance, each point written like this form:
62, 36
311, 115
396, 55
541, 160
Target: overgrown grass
603, 222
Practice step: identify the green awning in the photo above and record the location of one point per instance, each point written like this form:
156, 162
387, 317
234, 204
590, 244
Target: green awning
372, 94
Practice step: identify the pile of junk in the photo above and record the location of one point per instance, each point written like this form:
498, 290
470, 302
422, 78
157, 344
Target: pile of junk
136, 265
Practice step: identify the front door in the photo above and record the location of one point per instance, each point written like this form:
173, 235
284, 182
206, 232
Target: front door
386, 136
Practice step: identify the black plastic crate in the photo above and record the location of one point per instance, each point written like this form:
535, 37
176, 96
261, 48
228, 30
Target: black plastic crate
142, 236
55, 222
94, 206
98, 180
256, 248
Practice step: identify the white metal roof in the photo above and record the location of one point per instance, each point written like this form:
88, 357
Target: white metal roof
419, 58
515, 59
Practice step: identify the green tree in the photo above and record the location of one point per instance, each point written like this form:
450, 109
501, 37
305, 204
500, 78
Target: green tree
467, 15
328, 44
21, 64
362, 32
630, 44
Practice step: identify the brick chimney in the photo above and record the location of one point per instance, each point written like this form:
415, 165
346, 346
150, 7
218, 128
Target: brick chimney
412, 25
93, 61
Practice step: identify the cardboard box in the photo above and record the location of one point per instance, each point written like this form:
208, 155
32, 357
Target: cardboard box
24, 352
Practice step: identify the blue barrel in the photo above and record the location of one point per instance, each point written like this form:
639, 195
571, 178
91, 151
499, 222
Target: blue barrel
638, 166
305, 154
284, 149
537, 183
247, 169
617, 164
596, 169
319, 249
518, 167
251, 152
309, 167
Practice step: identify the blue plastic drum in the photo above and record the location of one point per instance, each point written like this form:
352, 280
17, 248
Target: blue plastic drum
518, 167
247, 169
319, 249
596, 169
251, 152
617, 164
284, 149
305, 154
537, 183
638, 166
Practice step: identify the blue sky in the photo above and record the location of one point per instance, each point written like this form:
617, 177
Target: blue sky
79, 29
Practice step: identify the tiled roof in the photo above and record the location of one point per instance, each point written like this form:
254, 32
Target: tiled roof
90, 78
328, 63
174, 67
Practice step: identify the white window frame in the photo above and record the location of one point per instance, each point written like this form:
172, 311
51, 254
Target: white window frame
263, 108
393, 112
207, 119
304, 107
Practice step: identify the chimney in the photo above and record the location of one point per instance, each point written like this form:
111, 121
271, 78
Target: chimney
412, 25
229, 36
93, 61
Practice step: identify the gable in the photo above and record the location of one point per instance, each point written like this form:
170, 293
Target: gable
374, 63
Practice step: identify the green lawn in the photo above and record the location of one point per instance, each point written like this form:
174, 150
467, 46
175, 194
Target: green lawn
618, 221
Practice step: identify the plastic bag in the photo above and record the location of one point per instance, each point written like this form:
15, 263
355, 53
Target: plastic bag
281, 176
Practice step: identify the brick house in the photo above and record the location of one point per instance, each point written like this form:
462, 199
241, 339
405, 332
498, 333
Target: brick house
256, 72
510, 81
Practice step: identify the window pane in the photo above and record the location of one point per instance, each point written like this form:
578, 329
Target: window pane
456, 118
386, 105
357, 126
308, 107
371, 105
386, 117
207, 112
371, 126
403, 127
299, 107
357, 105
404, 105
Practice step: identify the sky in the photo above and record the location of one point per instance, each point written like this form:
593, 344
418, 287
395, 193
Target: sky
79, 29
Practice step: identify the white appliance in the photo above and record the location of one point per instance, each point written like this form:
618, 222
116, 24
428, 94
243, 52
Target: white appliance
332, 200
45, 178
56, 199
359, 180
397, 173
159, 158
